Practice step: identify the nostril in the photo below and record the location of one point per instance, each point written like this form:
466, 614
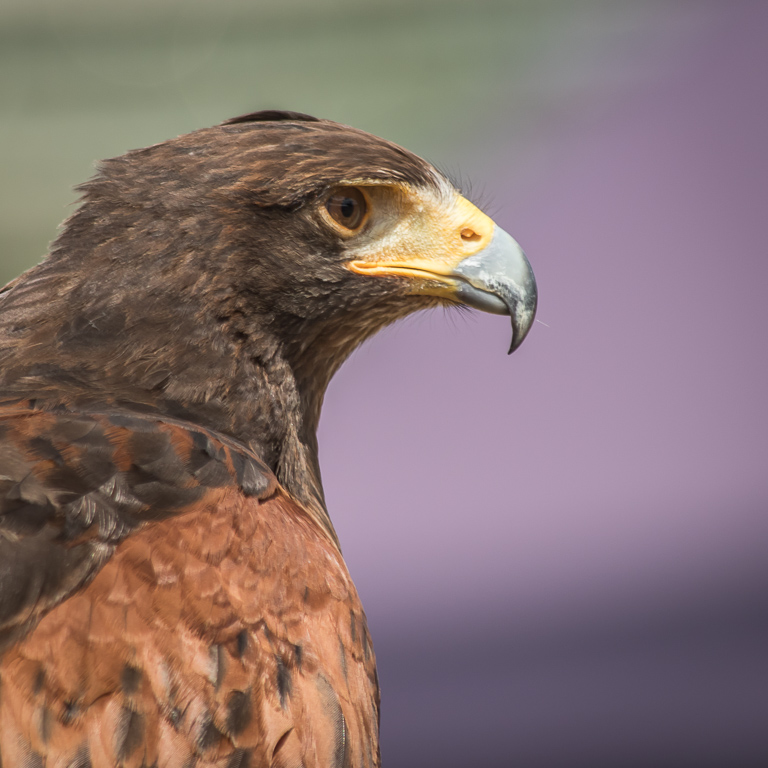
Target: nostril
469, 235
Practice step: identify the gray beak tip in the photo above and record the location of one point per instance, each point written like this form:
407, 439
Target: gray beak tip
522, 320
520, 330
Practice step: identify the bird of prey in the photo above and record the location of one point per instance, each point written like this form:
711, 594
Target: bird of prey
172, 592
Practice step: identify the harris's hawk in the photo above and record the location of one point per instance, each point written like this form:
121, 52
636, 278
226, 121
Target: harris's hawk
172, 591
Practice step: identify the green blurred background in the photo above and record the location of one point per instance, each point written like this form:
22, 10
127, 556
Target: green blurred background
81, 80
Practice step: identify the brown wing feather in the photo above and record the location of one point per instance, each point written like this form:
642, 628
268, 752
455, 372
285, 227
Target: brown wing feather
73, 485
223, 629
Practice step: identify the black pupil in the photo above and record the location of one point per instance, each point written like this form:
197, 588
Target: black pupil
347, 207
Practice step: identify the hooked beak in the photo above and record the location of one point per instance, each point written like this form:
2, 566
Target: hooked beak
468, 259
500, 280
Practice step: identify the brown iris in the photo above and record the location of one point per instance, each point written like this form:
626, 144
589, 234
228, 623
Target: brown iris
347, 207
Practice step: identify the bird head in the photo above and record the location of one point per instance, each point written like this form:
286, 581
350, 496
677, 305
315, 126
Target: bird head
383, 233
318, 231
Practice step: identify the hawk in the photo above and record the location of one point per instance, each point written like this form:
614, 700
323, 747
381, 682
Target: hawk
172, 592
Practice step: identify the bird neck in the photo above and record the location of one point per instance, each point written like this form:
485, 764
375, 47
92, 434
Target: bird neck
292, 373
233, 378
285, 437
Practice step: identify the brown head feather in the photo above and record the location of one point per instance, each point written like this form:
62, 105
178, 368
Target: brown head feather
197, 279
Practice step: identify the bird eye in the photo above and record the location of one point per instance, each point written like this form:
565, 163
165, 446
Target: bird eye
347, 207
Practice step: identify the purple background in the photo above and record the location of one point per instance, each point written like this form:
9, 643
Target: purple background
563, 553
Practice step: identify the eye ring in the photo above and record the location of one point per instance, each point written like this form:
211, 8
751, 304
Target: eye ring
347, 208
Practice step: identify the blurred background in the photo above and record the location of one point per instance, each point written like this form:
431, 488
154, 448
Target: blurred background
563, 554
